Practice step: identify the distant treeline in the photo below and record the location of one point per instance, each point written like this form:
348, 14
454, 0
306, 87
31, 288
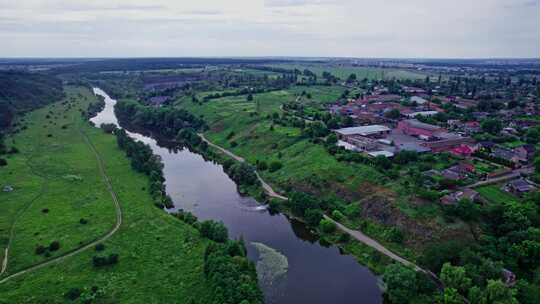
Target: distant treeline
164, 121
22, 92
136, 64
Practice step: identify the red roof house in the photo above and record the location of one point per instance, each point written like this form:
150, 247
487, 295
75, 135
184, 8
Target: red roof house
463, 150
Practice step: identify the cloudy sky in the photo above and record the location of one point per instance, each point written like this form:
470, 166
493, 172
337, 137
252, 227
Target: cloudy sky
356, 28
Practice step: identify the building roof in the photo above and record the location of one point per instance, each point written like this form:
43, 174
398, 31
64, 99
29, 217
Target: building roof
381, 153
520, 185
422, 113
418, 99
364, 130
418, 124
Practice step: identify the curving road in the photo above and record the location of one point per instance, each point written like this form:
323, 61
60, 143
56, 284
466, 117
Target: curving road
90, 245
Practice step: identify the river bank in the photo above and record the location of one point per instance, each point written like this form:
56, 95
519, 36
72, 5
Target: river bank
316, 274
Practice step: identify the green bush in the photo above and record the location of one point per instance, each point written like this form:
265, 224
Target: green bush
327, 226
274, 166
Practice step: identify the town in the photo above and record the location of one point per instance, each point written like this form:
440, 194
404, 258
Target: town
488, 137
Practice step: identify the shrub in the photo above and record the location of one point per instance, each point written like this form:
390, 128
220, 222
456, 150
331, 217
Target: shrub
234, 144
313, 216
327, 226
3, 162
55, 245
274, 166
344, 238
100, 247
73, 294
45, 210
262, 165
83, 221
99, 261
337, 215
40, 249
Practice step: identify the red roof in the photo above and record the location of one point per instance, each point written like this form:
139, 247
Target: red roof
462, 150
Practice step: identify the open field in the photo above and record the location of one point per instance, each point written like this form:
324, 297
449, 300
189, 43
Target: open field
493, 193
160, 258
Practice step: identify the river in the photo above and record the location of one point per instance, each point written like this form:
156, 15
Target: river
315, 273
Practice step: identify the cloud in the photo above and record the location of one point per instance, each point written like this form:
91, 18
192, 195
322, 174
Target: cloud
351, 28
285, 3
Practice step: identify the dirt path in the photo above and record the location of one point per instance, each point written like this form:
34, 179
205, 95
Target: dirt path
267, 188
90, 245
358, 235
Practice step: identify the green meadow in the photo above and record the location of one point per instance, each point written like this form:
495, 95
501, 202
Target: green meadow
59, 195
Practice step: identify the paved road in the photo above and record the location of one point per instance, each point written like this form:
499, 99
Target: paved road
90, 245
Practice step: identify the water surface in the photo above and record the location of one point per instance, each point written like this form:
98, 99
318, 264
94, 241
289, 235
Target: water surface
316, 274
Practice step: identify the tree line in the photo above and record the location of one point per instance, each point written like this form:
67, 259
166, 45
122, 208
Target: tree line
164, 121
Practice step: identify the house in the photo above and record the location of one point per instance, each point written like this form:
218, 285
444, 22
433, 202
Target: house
418, 100
451, 175
504, 153
471, 127
458, 172
372, 131
447, 142
414, 127
386, 154
518, 186
462, 150
455, 197
422, 113
525, 152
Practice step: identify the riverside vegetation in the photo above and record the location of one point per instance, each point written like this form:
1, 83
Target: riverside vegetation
59, 203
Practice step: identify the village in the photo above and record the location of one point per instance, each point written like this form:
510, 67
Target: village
487, 139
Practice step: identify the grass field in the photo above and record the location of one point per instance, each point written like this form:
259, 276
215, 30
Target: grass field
160, 258
305, 164
493, 193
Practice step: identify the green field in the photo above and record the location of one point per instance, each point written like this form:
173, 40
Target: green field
306, 165
57, 183
493, 193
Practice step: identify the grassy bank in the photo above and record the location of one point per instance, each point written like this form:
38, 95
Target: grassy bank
160, 258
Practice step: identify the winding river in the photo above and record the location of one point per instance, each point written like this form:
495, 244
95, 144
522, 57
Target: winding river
295, 266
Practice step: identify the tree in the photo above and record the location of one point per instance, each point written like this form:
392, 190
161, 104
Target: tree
351, 78
313, 216
393, 114
451, 296
249, 97
455, 277
400, 283
215, 231
274, 166
497, 292
491, 126
327, 226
